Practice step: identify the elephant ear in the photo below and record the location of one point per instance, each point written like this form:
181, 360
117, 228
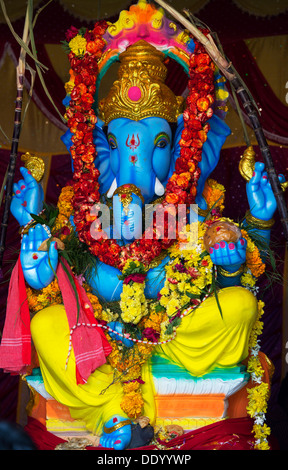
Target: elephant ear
216, 137
102, 161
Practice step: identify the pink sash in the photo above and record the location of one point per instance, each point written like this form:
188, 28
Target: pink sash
15, 349
88, 340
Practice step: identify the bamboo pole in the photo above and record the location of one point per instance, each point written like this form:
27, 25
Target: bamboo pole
285, 320
20, 72
236, 82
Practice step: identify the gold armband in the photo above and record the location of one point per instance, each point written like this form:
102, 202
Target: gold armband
203, 212
119, 425
259, 223
225, 273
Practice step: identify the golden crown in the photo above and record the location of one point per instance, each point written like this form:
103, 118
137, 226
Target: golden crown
140, 90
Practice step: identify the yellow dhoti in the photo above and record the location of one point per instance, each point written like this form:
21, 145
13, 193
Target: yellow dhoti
204, 340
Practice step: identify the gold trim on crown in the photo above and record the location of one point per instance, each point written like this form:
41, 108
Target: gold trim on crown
140, 90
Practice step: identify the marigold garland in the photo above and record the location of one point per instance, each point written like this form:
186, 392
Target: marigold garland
50, 295
254, 266
214, 195
85, 48
259, 394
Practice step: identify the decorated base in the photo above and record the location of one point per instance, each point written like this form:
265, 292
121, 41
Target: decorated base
193, 402
181, 399
230, 434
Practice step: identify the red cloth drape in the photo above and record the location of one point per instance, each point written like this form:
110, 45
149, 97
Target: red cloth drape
230, 434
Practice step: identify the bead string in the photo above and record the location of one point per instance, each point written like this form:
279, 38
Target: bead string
32, 220
135, 340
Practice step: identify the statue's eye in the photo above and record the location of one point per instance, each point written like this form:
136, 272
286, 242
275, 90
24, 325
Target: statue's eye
161, 140
162, 143
112, 142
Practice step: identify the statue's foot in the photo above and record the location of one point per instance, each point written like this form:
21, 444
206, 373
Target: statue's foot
116, 433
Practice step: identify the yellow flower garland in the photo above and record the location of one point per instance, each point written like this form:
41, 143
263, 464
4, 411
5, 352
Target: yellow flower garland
258, 395
133, 302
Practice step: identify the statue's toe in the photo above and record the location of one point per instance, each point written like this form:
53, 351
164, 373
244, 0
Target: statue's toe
116, 442
116, 434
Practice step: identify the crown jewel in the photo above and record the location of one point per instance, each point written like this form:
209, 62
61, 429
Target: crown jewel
140, 90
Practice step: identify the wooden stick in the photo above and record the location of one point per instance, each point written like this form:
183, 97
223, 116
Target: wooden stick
249, 107
20, 72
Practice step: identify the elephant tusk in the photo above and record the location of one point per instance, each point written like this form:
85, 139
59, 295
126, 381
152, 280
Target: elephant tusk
159, 188
112, 189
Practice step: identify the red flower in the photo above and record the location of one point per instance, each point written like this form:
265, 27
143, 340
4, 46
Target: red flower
89, 35
138, 277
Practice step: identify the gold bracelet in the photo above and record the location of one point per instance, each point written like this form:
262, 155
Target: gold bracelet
225, 273
203, 212
117, 426
259, 223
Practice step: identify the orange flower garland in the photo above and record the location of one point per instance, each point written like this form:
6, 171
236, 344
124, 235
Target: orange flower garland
85, 50
253, 257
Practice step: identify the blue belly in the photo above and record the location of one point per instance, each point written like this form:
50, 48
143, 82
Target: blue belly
107, 286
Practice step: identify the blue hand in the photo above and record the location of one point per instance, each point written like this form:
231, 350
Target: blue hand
28, 198
119, 328
118, 439
38, 266
230, 255
260, 195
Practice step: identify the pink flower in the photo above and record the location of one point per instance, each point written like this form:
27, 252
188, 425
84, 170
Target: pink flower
71, 33
151, 334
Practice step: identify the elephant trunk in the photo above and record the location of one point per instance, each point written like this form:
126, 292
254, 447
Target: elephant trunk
127, 213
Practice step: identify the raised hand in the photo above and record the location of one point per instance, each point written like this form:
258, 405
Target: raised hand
260, 195
230, 255
28, 198
38, 266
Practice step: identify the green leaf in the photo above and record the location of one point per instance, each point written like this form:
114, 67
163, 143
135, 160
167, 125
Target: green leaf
159, 308
214, 287
65, 46
192, 296
38, 219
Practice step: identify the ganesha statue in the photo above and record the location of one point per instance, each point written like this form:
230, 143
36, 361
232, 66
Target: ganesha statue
137, 266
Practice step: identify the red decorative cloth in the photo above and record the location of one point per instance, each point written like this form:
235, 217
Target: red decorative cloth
15, 349
229, 434
90, 344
